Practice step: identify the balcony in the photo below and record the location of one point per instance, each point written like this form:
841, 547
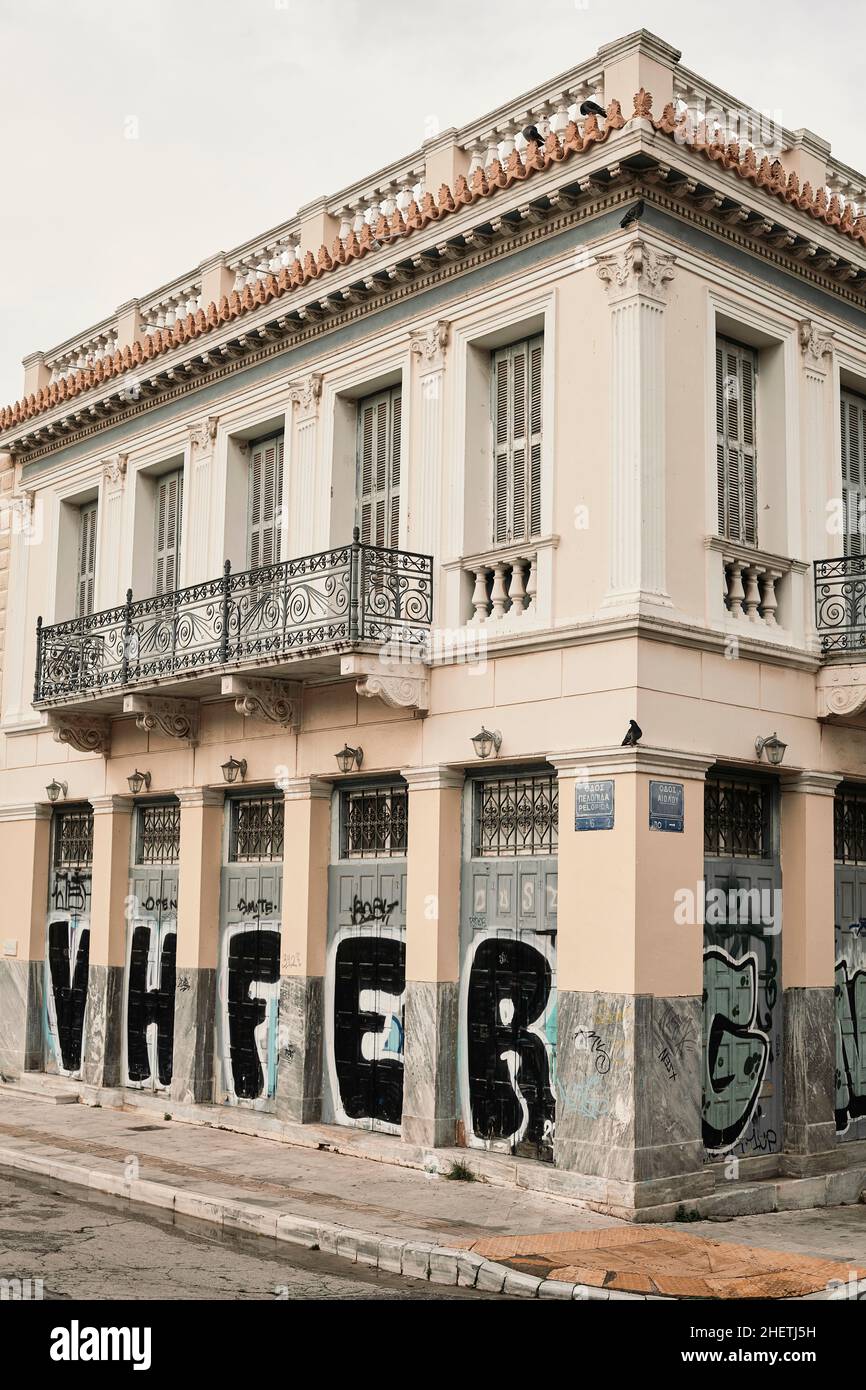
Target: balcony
840, 605
311, 610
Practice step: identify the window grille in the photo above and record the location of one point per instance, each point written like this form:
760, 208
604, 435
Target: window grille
256, 829
73, 838
736, 461
374, 823
516, 816
158, 838
849, 826
737, 819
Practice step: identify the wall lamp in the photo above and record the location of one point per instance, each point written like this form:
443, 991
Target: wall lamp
137, 780
234, 769
56, 790
347, 758
487, 742
773, 747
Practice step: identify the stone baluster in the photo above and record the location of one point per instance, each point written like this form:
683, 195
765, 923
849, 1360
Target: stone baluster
480, 600
492, 149
347, 220
499, 591
517, 589
751, 593
531, 584
476, 155
769, 602
735, 594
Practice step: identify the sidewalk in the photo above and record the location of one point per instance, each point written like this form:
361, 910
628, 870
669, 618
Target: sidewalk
421, 1225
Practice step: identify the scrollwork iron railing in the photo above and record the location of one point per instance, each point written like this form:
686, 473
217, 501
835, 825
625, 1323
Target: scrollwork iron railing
840, 603
353, 594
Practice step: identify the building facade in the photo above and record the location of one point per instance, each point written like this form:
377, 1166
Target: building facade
337, 570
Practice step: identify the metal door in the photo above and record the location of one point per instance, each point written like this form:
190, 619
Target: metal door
365, 984
151, 948
68, 939
741, 1104
248, 976
507, 1037
850, 983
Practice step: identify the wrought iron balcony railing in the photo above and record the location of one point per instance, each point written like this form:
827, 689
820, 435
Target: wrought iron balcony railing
840, 603
338, 598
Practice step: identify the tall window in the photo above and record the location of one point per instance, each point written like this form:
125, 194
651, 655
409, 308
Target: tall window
169, 504
517, 383
736, 464
378, 497
266, 495
86, 559
853, 411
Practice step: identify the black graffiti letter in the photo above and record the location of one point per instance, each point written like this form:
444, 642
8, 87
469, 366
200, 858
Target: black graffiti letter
371, 1087
150, 1006
69, 990
509, 987
254, 958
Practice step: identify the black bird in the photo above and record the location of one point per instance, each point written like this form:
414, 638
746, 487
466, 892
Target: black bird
633, 734
531, 132
591, 108
634, 214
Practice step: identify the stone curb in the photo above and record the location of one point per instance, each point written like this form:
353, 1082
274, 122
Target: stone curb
413, 1259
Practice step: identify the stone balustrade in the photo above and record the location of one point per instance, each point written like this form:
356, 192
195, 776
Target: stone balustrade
751, 589
503, 589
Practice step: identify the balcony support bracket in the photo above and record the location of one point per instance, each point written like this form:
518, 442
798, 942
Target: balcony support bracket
272, 702
400, 686
841, 691
86, 733
174, 718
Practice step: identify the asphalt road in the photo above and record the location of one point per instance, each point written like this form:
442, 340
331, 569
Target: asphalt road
91, 1246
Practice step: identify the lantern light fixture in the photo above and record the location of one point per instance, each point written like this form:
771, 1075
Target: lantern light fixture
486, 742
55, 790
137, 780
234, 769
772, 747
349, 757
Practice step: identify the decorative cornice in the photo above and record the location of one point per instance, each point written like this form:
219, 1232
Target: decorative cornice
111, 805
306, 788
816, 344
86, 733
666, 762
27, 810
635, 269
306, 393
438, 777
810, 783
200, 796
174, 718
430, 344
271, 701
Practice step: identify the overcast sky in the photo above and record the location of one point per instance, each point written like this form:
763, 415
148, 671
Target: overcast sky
246, 109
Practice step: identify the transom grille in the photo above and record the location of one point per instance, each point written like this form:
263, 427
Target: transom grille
849, 826
158, 839
737, 819
516, 815
73, 838
374, 822
256, 829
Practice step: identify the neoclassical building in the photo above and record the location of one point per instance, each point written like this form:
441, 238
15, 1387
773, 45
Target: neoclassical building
332, 576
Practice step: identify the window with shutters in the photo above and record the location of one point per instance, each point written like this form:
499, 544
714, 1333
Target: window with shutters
169, 504
265, 507
517, 388
736, 461
853, 413
378, 485
86, 559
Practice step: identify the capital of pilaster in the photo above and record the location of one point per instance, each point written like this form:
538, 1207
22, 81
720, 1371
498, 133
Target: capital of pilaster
636, 269
817, 346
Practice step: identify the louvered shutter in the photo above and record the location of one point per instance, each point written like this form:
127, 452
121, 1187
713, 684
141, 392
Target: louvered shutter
266, 492
517, 430
853, 412
169, 504
736, 457
379, 436
86, 558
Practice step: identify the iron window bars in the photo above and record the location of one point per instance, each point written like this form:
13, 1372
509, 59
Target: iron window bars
374, 822
849, 826
737, 819
355, 593
516, 815
158, 833
73, 838
256, 829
